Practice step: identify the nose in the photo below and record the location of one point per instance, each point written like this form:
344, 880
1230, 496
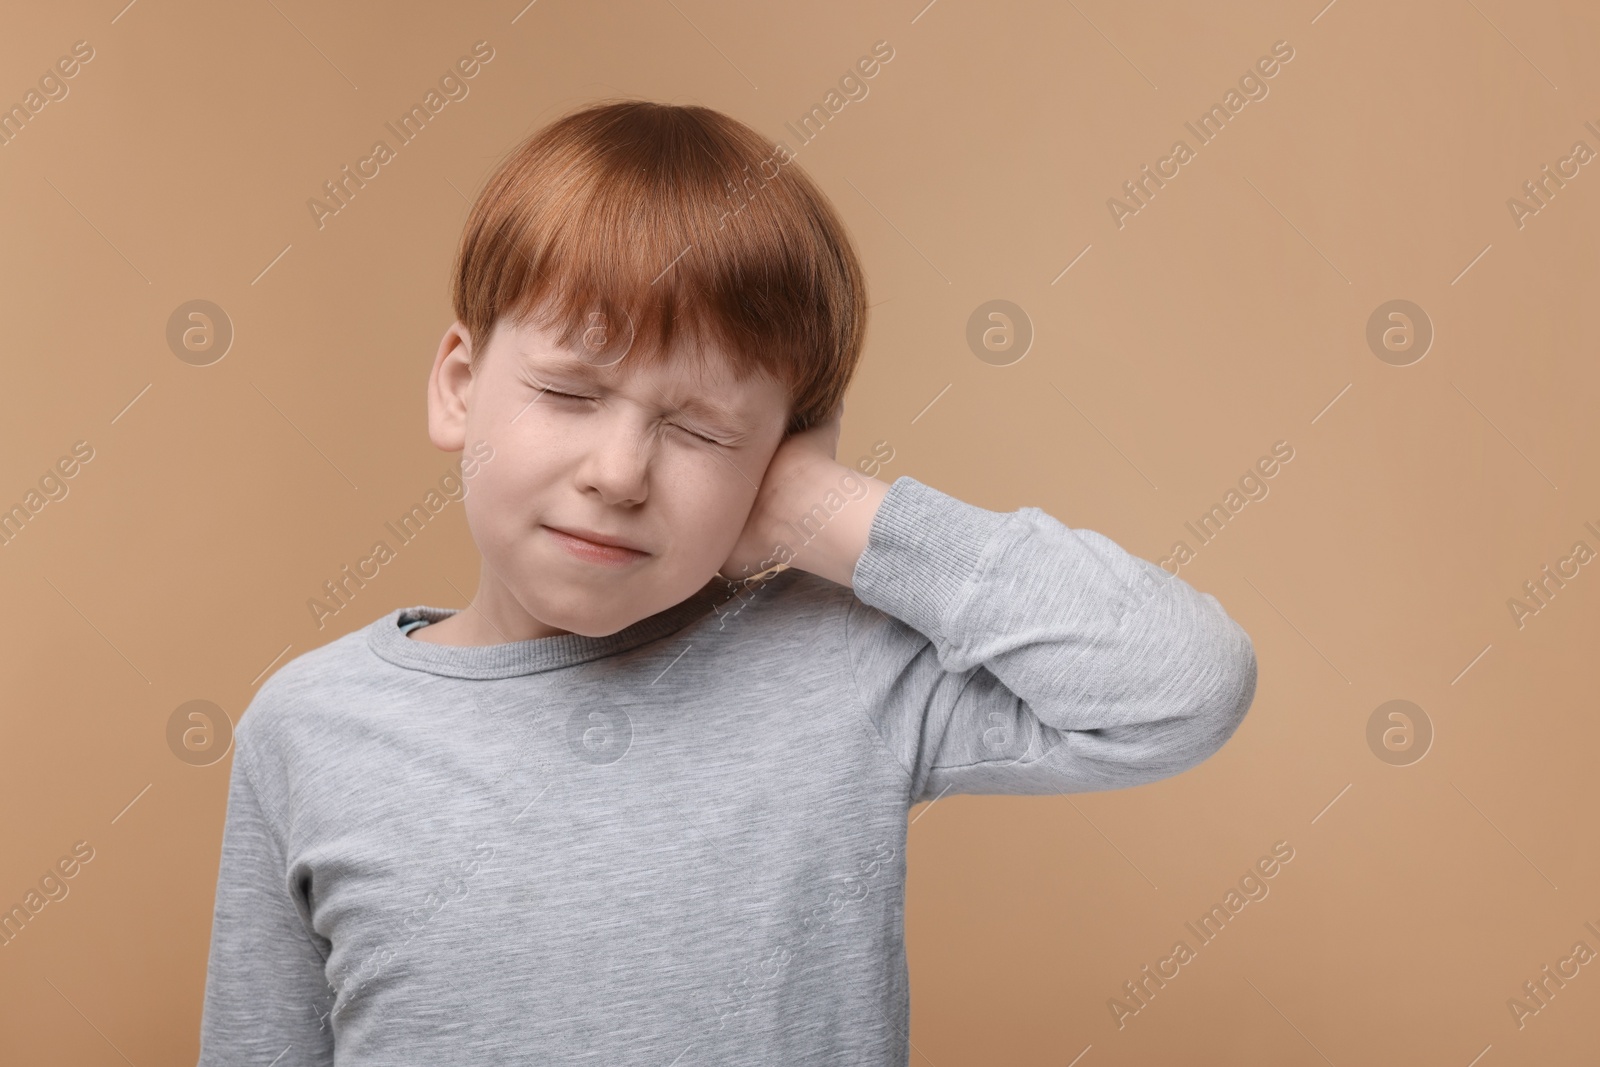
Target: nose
616, 459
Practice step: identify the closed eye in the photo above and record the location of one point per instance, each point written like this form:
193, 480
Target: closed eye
569, 396
702, 437
547, 391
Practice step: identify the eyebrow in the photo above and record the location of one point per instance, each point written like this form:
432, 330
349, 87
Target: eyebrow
721, 418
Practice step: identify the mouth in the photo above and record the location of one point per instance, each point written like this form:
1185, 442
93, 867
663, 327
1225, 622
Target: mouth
596, 547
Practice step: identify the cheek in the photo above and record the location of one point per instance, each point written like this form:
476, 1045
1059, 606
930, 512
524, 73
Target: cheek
710, 501
508, 492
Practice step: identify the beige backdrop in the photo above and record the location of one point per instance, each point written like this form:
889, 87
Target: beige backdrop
1175, 342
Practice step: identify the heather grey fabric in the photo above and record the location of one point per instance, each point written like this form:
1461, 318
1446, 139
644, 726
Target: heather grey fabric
683, 843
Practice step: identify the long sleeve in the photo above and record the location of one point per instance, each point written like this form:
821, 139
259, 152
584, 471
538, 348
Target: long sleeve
266, 999
1003, 652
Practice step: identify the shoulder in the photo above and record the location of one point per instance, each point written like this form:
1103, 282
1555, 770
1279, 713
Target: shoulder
803, 591
792, 600
299, 701
810, 618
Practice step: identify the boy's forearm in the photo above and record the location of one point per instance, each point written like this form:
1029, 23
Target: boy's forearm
830, 517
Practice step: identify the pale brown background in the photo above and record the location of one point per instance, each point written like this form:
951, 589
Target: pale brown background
1229, 314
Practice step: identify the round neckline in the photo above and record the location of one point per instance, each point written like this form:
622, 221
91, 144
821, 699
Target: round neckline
389, 641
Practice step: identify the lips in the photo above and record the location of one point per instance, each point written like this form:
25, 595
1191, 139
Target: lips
597, 538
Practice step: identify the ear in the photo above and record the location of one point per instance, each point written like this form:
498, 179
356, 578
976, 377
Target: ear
450, 389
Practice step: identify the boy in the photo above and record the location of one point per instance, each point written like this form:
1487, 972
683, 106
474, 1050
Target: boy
644, 800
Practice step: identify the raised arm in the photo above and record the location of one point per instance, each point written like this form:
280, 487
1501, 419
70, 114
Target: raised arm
1004, 652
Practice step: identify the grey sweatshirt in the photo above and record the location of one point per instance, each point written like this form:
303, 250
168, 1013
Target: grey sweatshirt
682, 843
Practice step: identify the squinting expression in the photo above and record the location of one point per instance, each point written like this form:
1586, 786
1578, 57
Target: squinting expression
657, 458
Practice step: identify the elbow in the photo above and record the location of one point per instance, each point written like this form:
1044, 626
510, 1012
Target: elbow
1201, 707
1241, 690
1225, 693
1211, 678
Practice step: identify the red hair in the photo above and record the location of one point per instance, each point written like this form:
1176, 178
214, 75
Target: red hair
673, 223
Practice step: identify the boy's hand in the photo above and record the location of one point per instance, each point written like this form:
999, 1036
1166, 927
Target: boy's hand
800, 475
801, 459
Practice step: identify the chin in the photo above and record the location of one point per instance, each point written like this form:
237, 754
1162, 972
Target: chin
593, 627
584, 621
577, 611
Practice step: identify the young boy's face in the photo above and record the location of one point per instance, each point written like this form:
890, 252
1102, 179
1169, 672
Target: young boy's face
658, 457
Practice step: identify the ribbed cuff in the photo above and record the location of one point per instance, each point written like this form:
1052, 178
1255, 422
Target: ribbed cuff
922, 549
